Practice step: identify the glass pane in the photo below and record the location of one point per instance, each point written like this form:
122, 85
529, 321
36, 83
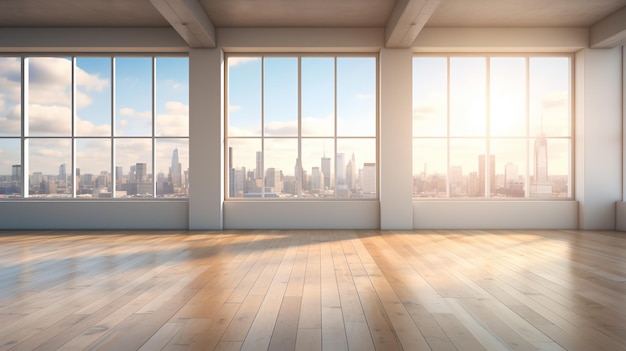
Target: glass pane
133, 168
510, 164
10, 168
93, 168
50, 167
429, 168
356, 96
280, 158
10, 96
550, 167
508, 96
133, 96
468, 96
280, 91
355, 168
467, 174
172, 96
317, 167
93, 96
550, 102
430, 95
318, 97
245, 170
50, 96
172, 167
244, 96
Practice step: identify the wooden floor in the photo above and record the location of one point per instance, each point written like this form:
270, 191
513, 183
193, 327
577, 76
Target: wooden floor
313, 290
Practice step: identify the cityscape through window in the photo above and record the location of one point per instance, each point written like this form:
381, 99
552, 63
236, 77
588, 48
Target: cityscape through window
492, 126
302, 127
94, 127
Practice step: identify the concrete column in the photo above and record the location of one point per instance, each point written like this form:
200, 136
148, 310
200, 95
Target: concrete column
395, 135
206, 138
598, 154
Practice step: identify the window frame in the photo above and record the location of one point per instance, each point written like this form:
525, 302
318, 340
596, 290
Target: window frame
74, 136
262, 137
488, 138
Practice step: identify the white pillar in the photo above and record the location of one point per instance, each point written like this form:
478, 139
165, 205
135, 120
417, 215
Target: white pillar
206, 138
396, 211
598, 153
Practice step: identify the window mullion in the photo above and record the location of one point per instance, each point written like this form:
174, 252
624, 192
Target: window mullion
112, 132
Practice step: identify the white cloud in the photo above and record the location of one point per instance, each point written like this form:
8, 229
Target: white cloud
282, 128
130, 112
89, 128
50, 120
123, 123
235, 61
90, 82
555, 99
234, 108
175, 122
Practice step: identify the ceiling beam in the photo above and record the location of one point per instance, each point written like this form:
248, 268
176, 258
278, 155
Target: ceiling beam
407, 19
609, 32
190, 20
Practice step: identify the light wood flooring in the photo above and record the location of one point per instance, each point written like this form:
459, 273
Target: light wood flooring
313, 290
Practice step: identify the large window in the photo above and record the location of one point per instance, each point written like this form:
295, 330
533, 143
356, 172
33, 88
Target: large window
301, 126
94, 127
492, 126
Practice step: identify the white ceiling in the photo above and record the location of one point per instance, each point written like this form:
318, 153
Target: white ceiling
306, 13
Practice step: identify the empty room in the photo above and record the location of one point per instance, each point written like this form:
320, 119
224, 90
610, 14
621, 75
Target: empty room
312, 175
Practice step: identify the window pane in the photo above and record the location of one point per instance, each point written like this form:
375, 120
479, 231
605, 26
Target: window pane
467, 96
93, 168
245, 167
550, 167
10, 168
172, 96
317, 167
430, 167
550, 103
318, 97
356, 96
430, 94
468, 167
133, 167
510, 162
93, 96
133, 96
50, 96
244, 96
172, 167
508, 96
281, 96
10, 96
50, 167
280, 157
355, 168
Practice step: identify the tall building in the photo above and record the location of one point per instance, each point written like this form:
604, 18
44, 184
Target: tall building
351, 171
299, 177
141, 173
258, 171
176, 172
368, 178
340, 169
326, 171
541, 185
16, 174
482, 171
317, 180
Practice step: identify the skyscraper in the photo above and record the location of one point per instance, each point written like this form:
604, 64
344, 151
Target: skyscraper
326, 171
368, 178
176, 171
258, 171
541, 185
482, 171
340, 169
141, 173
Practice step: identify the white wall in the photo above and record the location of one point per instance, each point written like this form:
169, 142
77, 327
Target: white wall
620, 209
598, 136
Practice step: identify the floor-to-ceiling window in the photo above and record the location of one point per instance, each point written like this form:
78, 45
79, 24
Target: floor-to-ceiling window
94, 127
492, 126
301, 126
